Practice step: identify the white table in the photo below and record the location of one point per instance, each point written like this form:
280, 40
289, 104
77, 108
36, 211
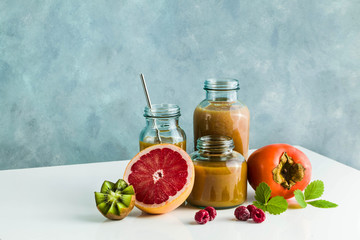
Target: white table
58, 203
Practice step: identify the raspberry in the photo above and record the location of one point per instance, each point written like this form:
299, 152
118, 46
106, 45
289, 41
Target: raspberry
202, 217
242, 213
251, 209
258, 216
212, 212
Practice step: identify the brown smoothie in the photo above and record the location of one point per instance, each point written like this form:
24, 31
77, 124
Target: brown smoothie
144, 145
225, 119
219, 184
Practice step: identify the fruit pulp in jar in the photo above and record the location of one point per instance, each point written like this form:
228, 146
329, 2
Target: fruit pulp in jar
144, 145
225, 119
219, 184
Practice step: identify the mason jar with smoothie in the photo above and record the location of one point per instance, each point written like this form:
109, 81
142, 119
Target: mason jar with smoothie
221, 113
162, 126
220, 174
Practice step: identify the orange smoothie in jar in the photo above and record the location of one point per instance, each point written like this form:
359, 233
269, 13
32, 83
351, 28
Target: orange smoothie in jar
225, 119
144, 145
218, 184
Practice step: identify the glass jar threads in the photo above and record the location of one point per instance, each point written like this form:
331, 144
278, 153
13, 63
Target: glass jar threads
162, 121
221, 113
220, 174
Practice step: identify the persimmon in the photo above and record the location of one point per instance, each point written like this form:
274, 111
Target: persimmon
283, 167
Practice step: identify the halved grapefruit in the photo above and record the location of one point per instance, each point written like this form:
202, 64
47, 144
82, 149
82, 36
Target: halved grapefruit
162, 176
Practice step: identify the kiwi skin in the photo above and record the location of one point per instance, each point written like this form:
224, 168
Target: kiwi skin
123, 212
115, 201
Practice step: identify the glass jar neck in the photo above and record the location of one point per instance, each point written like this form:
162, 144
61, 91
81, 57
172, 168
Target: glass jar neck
162, 110
162, 123
216, 146
221, 96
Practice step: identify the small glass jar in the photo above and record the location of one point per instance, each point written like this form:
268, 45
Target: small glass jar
221, 113
162, 120
220, 174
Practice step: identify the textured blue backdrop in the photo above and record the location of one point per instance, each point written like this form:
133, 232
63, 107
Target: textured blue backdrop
69, 73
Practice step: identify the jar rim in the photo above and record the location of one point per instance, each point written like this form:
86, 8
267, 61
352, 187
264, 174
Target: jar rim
221, 84
162, 110
215, 144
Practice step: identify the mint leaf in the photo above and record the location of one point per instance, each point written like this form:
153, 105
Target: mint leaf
322, 204
276, 205
314, 190
259, 205
262, 193
299, 196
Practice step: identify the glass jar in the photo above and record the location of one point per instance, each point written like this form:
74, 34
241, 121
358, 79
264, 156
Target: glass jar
162, 120
220, 174
221, 113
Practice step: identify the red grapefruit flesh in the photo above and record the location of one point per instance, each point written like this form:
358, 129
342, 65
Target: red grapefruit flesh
162, 176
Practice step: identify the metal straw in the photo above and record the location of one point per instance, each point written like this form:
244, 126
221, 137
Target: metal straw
149, 103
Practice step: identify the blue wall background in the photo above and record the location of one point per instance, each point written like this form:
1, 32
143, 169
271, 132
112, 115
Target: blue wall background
69, 73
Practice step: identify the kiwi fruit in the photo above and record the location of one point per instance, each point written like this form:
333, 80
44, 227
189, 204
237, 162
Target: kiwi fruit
115, 200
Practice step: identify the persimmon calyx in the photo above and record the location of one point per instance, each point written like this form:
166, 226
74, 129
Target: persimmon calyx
288, 173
